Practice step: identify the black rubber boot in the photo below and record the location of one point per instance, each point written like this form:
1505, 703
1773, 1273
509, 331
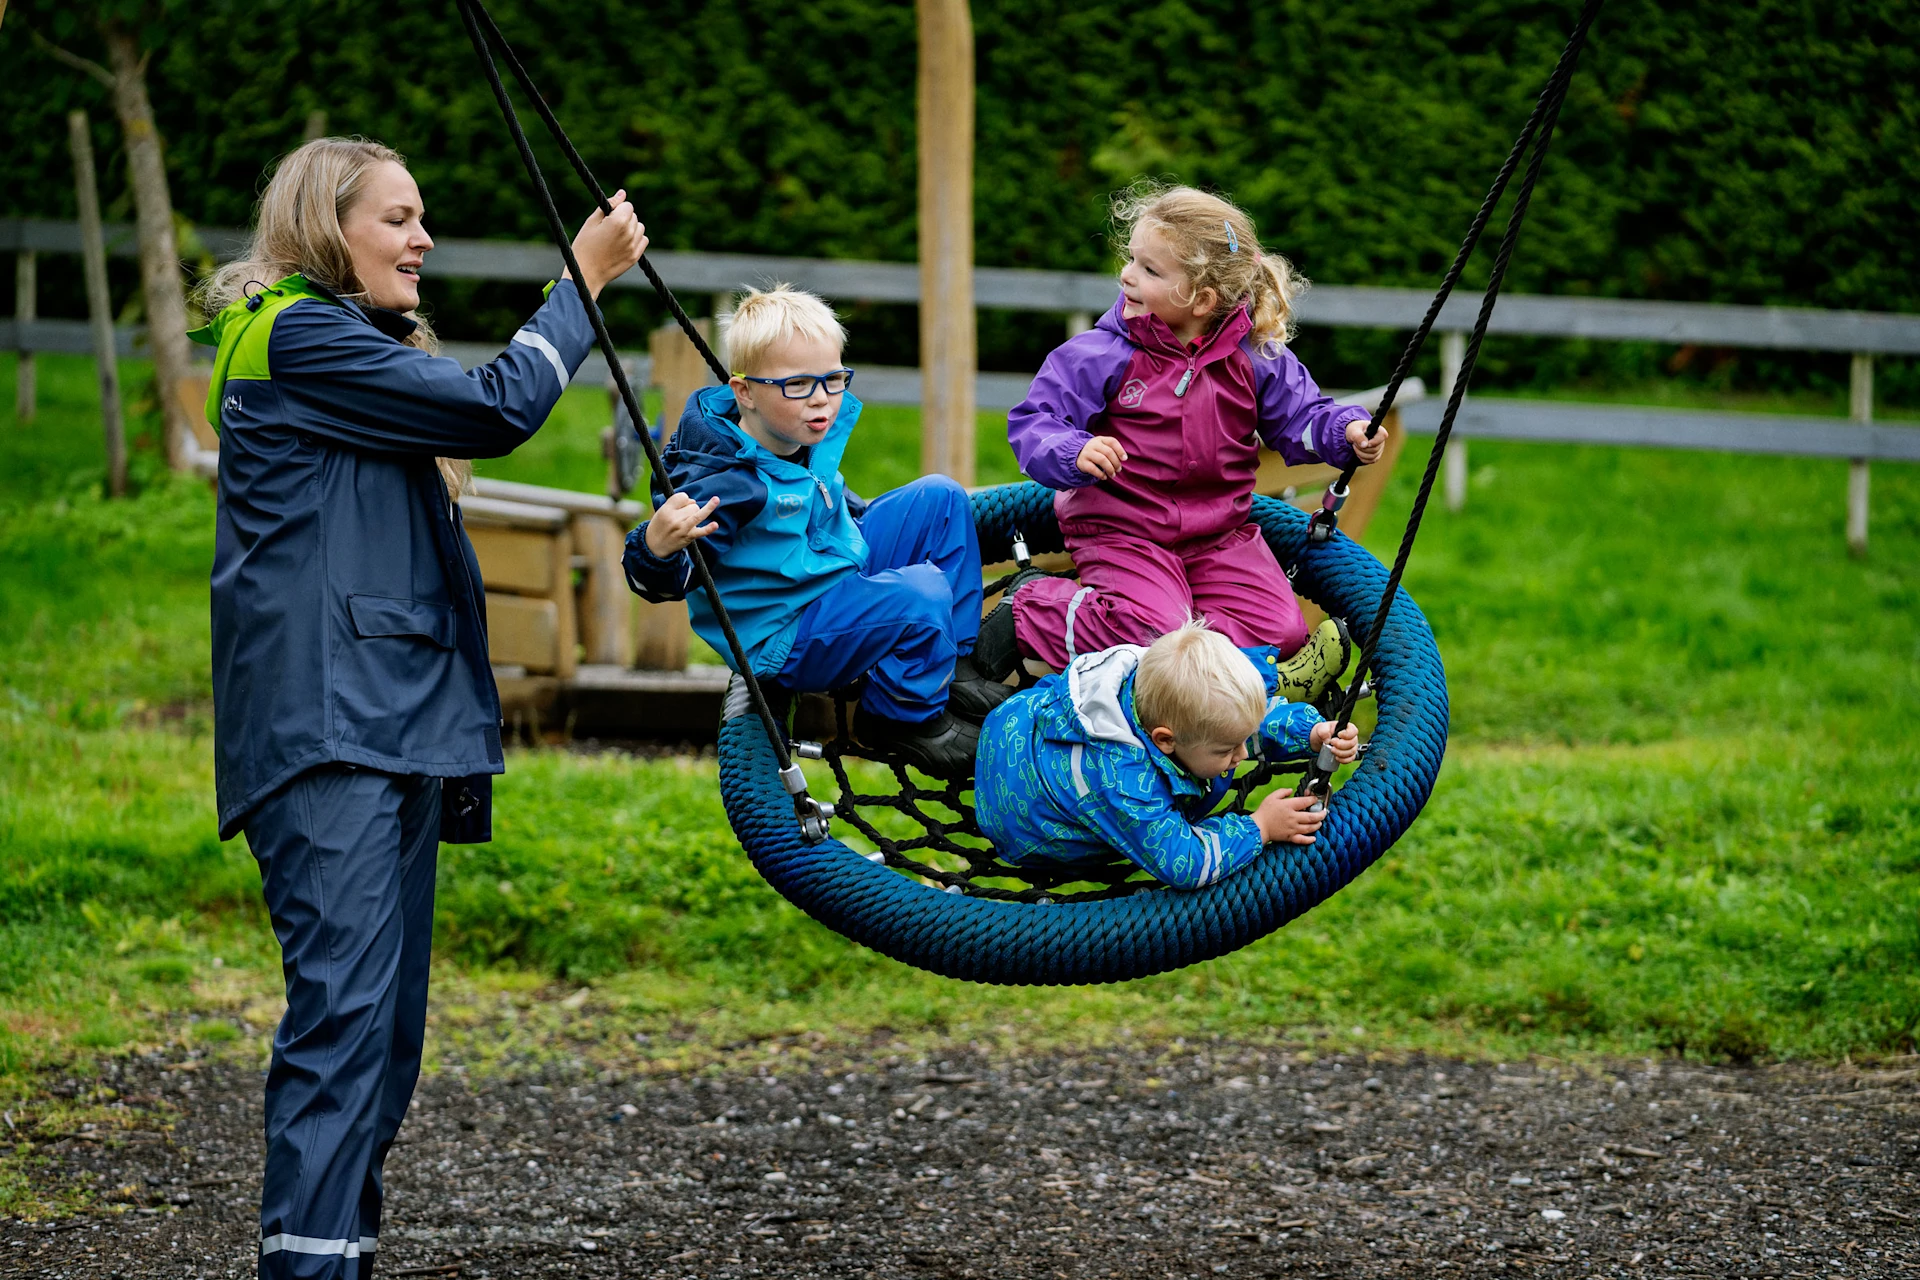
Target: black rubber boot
943, 746
972, 696
996, 654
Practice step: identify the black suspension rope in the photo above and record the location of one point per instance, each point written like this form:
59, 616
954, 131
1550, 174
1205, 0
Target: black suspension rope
1546, 114
592, 184
812, 814
1328, 516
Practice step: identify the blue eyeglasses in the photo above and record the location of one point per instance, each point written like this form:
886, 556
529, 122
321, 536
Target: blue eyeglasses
801, 386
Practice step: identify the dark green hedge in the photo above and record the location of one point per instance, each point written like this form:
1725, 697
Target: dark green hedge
1727, 150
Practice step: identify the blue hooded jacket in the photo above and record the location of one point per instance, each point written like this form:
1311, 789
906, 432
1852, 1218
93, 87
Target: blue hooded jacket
789, 527
1066, 773
349, 620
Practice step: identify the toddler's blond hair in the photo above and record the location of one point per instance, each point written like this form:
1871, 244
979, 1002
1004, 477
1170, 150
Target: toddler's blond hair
1217, 247
1194, 682
765, 318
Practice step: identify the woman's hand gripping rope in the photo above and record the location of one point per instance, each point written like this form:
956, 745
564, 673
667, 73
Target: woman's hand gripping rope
608, 244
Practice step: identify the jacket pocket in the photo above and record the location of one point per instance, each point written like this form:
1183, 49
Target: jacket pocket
375, 616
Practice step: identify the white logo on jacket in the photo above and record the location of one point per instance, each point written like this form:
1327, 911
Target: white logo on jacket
1132, 394
787, 504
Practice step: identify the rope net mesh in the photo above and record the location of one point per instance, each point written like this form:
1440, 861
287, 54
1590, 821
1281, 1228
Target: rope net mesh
926, 828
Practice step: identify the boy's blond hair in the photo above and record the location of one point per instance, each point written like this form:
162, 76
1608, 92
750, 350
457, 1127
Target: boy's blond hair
1194, 682
764, 319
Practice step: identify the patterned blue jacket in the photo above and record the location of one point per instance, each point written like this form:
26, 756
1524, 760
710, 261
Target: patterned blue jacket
789, 527
1065, 772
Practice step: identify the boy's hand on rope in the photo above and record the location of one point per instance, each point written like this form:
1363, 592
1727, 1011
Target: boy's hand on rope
1101, 457
677, 524
1284, 818
609, 244
1368, 451
1346, 747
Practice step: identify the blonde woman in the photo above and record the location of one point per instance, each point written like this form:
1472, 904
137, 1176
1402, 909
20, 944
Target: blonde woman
356, 723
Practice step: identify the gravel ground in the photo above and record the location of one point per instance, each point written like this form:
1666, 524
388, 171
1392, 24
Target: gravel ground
1175, 1161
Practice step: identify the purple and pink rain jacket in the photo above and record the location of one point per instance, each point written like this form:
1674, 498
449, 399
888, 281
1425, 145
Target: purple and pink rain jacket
1192, 420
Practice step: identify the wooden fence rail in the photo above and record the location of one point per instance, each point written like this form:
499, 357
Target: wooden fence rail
1078, 296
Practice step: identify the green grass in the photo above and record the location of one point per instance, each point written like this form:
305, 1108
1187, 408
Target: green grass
1680, 811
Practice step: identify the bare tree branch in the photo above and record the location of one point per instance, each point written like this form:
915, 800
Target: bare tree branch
86, 66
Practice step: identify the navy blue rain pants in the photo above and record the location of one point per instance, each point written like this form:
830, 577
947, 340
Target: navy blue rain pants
347, 860
903, 619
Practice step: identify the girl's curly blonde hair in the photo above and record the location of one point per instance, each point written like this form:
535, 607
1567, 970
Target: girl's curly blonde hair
1218, 248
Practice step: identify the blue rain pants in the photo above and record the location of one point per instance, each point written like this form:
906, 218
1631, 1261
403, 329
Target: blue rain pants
911, 610
347, 860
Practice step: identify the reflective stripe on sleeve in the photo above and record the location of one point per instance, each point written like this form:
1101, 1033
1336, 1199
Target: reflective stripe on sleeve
528, 338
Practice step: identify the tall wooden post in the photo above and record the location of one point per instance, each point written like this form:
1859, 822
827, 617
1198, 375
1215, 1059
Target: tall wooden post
93, 250
26, 308
948, 348
1860, 406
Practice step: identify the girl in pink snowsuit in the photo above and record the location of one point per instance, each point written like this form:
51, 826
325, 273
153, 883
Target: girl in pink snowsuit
1150, 426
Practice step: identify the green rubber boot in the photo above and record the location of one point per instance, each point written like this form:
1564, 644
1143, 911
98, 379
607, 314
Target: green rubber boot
1309, 672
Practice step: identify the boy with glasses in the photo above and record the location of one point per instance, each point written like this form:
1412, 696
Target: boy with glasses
824, 588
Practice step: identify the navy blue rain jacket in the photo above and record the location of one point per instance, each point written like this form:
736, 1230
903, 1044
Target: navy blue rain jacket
349, 620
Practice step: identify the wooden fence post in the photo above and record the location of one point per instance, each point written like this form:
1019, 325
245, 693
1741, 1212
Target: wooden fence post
948, 331
26, 308
1453, 351
1860, 406
99, 305
1078, 322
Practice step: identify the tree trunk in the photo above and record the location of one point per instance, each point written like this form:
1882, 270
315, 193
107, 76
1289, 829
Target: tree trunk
160, 281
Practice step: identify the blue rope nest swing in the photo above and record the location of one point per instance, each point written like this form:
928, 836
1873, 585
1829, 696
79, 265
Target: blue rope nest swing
1049, 934
1145, 932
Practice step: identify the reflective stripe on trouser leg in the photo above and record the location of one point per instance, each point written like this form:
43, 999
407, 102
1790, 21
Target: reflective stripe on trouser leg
1073, 607
311, 1244
337, 849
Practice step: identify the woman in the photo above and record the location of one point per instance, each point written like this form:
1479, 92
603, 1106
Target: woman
356, 723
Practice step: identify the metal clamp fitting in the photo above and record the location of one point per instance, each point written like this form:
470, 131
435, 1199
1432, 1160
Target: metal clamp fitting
1021, 557
793, 780
815, 815
809, 750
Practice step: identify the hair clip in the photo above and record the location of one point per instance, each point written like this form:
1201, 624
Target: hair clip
1233, 241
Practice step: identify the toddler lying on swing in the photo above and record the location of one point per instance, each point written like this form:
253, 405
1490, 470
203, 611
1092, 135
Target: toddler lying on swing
1130, 749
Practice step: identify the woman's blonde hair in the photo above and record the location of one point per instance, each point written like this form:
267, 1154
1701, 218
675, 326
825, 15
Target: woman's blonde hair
1218, 248
1194, 682
764, 318
297, 230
